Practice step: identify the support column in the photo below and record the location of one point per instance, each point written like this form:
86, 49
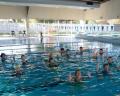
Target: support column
71, 25
28, 29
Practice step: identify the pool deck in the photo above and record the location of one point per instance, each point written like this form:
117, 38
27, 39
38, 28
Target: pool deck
104, 39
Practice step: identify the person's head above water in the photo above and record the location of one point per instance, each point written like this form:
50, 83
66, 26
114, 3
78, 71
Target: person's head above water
101, 51
17, 71
67, 50
81, 48
23, 58
77, 72
110, 60
78, 75
50, 57
3, 57
106, 67
50, 54
62, 51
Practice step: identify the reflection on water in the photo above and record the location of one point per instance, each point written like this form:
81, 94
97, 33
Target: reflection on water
20, 45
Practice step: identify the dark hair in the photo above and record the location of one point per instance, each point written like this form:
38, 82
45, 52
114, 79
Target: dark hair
22, 55
81, 47
109, 57
61, 48
76, 71
2, 54
67, 49
105, 65
101, 49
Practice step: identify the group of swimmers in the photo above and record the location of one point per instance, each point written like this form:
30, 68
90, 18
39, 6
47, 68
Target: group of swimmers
18, 69
104, 64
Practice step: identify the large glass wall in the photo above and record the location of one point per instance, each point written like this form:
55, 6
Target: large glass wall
12, 27
17, 27
55, 32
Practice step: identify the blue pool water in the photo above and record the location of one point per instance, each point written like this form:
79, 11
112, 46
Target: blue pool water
38, 80
22, 45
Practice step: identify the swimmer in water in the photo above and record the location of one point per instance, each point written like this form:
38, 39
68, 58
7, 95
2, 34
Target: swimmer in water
101, 57
23, 60
51, 63
17, 71
112, 63
106, 70
3, 57
25, 63
99, 54
62, 52
67, 53
77, 78
3, 61
103, 73
81, 51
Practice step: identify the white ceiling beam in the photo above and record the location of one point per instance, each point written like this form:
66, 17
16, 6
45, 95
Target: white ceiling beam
49, 3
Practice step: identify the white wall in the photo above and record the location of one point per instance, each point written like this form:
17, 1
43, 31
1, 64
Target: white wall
108, 10
9, 12
56, 13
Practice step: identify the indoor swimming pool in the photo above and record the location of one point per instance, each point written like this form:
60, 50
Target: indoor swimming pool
23, 45
37, 79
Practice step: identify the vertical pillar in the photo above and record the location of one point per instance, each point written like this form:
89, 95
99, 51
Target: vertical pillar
71, 25
27, 28
57, 32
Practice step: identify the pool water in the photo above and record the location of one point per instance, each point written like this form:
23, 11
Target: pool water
25, 45
38, 80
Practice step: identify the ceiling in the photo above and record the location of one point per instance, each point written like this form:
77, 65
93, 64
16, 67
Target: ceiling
97, 1
63, 3
45, 1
